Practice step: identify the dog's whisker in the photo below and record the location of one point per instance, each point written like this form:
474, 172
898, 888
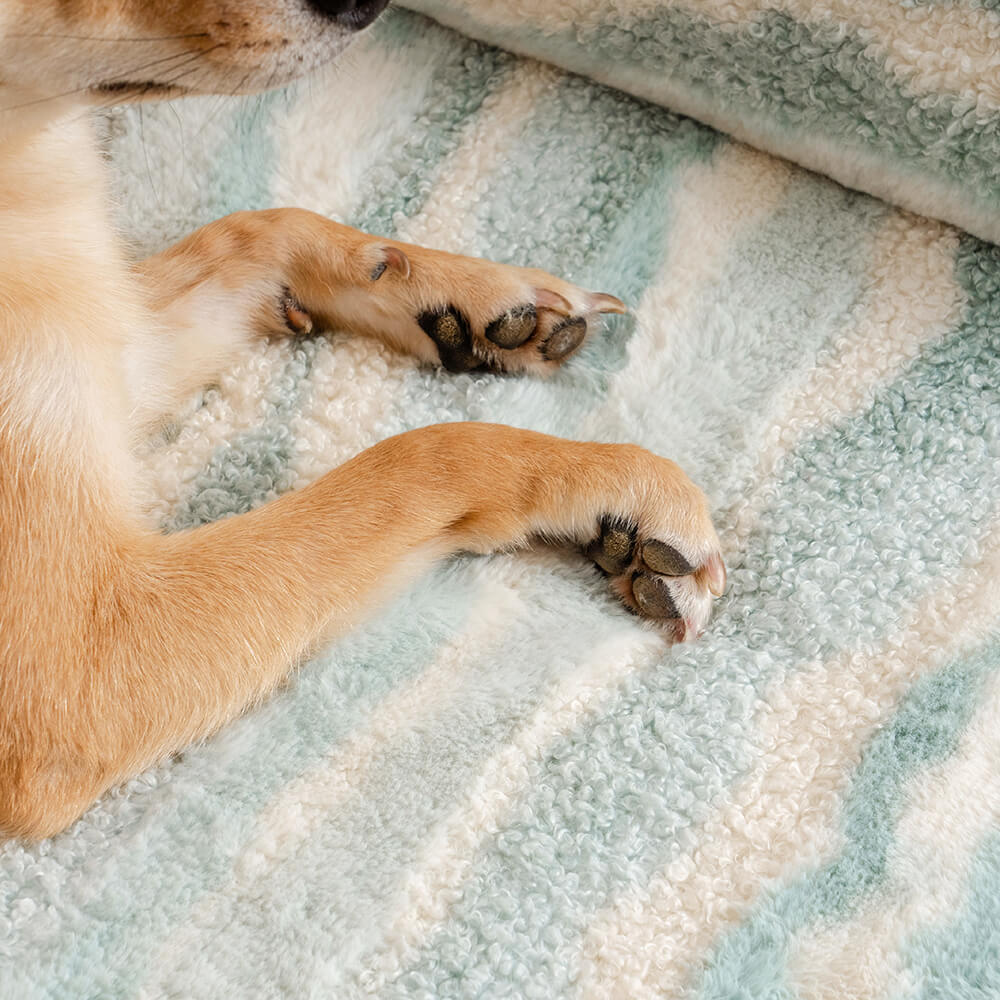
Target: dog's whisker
185, 55
102, 38
43, 100
135, 71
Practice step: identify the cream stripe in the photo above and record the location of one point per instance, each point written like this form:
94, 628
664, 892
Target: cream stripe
938, 47
812, 727
445, 863
445, 221
712, 212
345, 137
434, 880
912, 297
949, 813
301, 806
353, 382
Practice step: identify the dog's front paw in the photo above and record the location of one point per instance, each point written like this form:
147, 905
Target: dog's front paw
530, 327
653, 537
655, 579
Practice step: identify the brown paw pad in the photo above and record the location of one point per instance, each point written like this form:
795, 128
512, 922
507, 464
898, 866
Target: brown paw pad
665, 559
614, 548
450, 331
653, 597
513, 328
565, 338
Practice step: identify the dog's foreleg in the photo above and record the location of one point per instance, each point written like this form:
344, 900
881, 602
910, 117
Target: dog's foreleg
289, 271
158, 640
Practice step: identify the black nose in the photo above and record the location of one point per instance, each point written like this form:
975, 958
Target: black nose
355, 14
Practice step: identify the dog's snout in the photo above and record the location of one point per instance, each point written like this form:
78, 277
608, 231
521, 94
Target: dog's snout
350, 13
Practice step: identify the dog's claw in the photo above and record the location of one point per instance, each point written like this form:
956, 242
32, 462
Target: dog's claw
397, 261
714, 575
603, 303
296, 318
547, 299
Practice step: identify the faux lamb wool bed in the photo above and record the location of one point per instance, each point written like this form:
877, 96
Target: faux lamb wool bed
503, 785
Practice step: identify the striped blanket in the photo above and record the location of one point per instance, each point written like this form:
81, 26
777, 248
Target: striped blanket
503, 785
899, 98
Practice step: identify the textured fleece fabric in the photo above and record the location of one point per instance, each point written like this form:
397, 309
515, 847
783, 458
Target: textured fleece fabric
899, 98
502, 785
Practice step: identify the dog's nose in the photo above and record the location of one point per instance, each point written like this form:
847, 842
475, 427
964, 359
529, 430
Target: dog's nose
355, 14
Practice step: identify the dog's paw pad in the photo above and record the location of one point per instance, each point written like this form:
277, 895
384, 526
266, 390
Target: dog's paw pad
656, 580
512, 320
450, 331
652, 595
565, 337
665, 559
513, 328
613, 549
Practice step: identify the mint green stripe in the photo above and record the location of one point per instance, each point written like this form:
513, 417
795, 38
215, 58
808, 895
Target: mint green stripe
776, 76
961, 961
587, 193
223, 160
590, 204
925, 730
468, 73
788, 289
252, 467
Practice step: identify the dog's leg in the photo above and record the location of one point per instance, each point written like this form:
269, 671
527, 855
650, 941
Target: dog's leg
119, 645
283, 270
159, 640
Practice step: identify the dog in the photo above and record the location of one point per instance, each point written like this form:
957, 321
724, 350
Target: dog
120, 645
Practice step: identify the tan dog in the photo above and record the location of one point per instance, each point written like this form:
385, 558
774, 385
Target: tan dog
119, 645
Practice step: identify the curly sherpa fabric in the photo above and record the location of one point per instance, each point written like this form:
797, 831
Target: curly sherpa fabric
899, 98
503, 785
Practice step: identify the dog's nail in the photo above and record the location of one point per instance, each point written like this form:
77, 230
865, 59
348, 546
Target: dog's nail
547, 299
713, 574
296, 318
689, 631
603, 303
393, 259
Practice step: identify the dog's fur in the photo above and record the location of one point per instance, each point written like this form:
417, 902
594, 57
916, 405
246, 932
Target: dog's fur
119, 645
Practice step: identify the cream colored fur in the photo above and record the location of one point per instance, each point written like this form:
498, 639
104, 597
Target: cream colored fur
119, 645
